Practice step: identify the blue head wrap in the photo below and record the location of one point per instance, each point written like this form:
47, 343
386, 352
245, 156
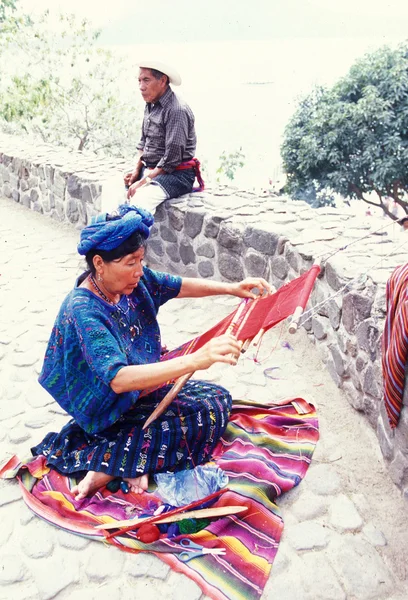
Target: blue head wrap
107, 235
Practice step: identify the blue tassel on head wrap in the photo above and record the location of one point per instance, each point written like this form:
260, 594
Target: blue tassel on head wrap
107, 235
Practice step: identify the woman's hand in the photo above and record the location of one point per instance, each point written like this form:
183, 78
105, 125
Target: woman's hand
244, 289
223, 348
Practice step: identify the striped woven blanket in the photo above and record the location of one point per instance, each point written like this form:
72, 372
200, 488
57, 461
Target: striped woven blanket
265, 450
395, 343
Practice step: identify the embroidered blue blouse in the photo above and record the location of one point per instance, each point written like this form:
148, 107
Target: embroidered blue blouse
92, 340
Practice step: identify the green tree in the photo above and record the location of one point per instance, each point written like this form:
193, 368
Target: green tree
6, 7
60, 85
353, 138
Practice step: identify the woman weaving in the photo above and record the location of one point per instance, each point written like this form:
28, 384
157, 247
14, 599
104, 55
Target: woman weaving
105, 348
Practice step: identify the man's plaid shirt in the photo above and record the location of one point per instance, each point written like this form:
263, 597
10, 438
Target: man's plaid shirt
168, 134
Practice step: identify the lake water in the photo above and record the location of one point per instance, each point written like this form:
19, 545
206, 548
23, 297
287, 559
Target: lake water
243, 93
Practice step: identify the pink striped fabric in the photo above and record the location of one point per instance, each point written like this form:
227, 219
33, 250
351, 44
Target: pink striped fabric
395, 343
265, 451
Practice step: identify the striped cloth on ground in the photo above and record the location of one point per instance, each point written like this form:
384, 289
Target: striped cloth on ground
395, 343
265, 450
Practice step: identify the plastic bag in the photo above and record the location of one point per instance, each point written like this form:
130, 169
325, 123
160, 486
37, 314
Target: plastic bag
183, 487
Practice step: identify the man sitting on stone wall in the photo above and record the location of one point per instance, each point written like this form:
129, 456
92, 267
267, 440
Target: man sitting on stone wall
166, 167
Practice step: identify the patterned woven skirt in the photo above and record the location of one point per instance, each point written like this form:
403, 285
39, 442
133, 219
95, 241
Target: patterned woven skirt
181, 438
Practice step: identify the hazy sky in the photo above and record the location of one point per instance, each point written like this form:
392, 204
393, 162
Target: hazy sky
133, 22
289, 44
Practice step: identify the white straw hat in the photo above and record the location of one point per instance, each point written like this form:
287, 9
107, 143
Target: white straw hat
171, 73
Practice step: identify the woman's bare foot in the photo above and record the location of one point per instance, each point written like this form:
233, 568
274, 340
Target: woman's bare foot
92, 481
138, 485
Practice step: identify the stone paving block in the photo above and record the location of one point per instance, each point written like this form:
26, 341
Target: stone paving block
257, 378
309, 506
179, 587
21, 374
38, 397
360, 568
9, 491
373, 535
288, 585
104, 562
146, 564
37, 540
320, 579
12, 569
57, 410
28, 343
26, 515
55, 574
245, 367
361, 502
146, 589
282, 560
36, 422
323, 480
399, 469
238, 390
23, 590
19, 434
343, 514
10, 409
307, 535
71, 541
104, 591
6, 529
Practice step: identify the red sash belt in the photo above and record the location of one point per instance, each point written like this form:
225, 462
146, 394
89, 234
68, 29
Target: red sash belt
194, 163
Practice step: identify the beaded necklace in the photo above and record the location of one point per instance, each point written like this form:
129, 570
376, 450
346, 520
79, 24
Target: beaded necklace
100, 292
108, 300
133, 330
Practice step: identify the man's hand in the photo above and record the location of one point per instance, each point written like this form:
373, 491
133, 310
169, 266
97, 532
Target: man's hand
130, 178
132, 189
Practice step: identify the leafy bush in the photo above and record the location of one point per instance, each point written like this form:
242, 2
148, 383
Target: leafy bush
353, 138
230, 163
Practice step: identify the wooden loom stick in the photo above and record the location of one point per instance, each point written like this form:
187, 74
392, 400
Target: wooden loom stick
171, 394
175, 511
245, 345
201, 513
258, 338
168, 399
294, 324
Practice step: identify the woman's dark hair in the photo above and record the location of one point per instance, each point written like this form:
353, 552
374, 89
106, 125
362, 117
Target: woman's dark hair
130, 245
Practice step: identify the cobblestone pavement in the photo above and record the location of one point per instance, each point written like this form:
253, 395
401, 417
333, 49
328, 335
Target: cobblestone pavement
346, 534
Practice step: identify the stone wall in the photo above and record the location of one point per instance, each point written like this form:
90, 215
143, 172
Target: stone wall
229, 234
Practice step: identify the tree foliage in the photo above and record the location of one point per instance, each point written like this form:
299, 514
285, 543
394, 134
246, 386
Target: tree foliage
6, 7
230, 163
353, 138
59, 84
